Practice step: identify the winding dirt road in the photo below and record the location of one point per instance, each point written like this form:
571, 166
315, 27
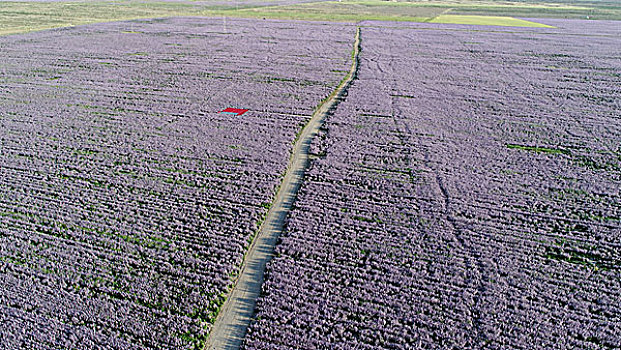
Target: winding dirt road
236, 313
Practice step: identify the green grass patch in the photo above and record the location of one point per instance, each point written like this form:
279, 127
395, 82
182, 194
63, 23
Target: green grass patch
487, 20
585, 258
365, 219
538, 149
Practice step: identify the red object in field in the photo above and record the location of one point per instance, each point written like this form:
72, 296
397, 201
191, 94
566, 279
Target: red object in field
235, 111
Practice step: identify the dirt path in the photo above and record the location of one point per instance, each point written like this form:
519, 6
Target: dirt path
236, 313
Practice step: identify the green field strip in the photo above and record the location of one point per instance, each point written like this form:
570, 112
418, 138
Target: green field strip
488, 21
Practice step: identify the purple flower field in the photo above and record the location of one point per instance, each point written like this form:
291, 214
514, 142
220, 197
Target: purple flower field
126, 201
465, 195
463, 192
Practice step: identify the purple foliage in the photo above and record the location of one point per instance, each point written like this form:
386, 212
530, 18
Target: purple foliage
466, 195
126, 201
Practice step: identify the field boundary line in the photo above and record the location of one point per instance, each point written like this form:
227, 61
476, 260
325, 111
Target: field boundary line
237, 311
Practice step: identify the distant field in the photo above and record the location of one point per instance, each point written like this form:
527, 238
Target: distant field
541, 9
25, 16
419, 11
347, 11
19, 17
